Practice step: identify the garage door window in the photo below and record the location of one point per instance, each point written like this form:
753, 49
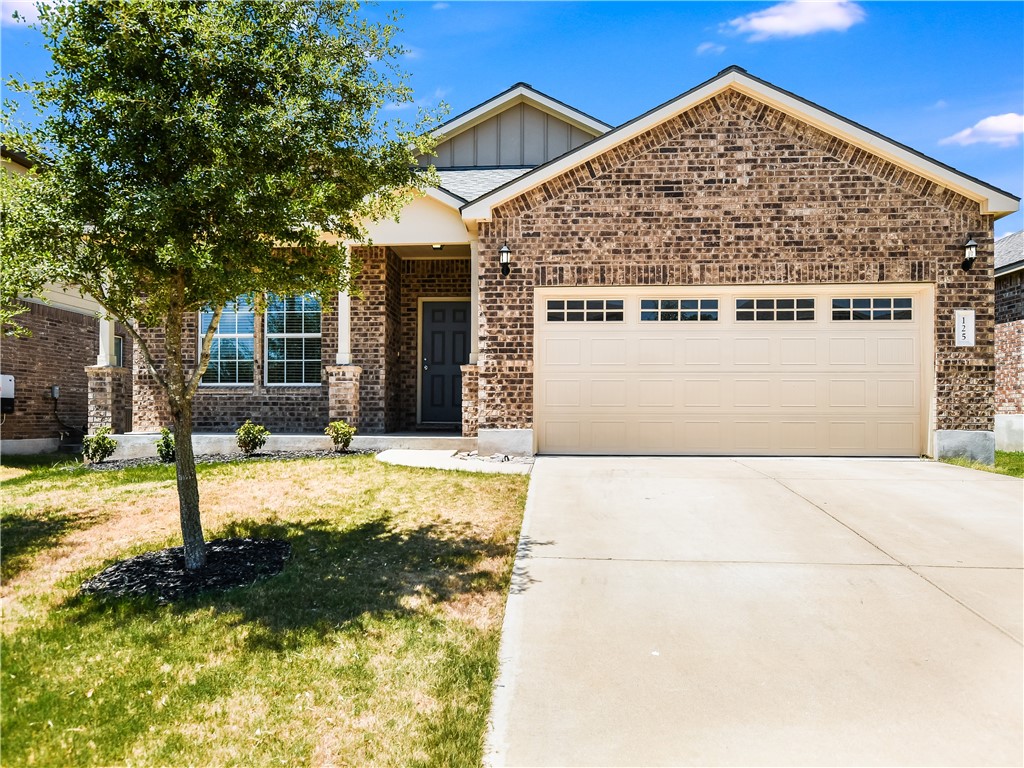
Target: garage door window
678, 310
585, 310
872, 308
772, 310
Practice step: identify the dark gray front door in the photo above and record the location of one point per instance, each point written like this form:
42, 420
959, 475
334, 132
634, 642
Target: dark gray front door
445, 347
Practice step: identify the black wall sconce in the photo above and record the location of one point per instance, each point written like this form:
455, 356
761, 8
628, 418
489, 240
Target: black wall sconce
970, 254
505, 259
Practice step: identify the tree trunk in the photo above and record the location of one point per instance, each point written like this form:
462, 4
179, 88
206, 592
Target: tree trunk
188, 489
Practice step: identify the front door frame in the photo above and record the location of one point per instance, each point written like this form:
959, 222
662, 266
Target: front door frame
419, 342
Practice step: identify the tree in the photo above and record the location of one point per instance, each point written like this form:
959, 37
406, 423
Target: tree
193, 152
20, 273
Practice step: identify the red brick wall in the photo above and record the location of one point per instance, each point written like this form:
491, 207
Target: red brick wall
1010, 343
62, 344
281, 409
732, 192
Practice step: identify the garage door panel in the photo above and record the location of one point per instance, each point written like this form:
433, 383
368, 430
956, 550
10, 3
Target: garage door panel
816, 387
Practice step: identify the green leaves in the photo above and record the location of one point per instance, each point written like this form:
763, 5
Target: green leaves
183, 141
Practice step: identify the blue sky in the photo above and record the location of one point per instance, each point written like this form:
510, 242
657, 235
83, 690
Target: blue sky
945, 78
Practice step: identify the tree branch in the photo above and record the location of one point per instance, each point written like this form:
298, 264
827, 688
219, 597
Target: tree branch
204, 354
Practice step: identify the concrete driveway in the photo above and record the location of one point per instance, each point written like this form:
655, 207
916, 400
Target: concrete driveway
696, 611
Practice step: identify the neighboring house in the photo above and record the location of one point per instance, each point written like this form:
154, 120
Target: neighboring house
49, 367
737, 271
1010, 342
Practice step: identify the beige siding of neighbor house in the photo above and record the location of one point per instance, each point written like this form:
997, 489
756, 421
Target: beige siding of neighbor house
520, 135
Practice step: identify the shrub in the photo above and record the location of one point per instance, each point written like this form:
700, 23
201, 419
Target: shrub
98, 447
165, 446
341, 432
251, 437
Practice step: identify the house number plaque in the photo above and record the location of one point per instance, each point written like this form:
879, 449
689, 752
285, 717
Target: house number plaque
964, 327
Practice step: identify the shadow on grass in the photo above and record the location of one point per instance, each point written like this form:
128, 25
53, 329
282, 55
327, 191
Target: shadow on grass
22, 536
335, 578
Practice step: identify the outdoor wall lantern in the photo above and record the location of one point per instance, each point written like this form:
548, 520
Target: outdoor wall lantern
505, 259
437, 247
970, 254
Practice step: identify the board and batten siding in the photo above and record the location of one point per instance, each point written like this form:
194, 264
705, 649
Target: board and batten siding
522, 135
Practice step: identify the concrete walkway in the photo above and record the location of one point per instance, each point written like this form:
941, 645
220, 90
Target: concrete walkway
693, 611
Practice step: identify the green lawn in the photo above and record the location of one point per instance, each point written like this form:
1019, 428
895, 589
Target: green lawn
376, 645
1007, 463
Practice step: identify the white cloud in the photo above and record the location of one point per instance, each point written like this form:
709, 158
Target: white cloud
940, 104
795, 18
1001, 130
429, 101
714, 48
26, 11
439, 6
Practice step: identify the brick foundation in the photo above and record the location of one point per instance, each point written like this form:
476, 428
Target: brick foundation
470, 405
343, 393
110, 391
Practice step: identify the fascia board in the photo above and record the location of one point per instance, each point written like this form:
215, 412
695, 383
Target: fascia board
445, 197
514, 96
991, 200
1009, 269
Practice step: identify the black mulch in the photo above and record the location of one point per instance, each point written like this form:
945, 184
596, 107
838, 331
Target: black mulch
161, 574
220, 458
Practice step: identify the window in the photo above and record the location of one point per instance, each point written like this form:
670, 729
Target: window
119, 351
293, 340
231, 355
872, 309
770, 310
585, 310
678, 310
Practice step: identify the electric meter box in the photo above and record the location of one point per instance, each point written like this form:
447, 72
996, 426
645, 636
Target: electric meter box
6, 394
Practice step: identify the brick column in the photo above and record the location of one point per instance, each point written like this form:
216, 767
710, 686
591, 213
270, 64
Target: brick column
109, 398
343, 392
470, 394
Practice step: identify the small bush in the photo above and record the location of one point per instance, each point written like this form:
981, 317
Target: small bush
251, 437
100, 446
165, 446
341, 432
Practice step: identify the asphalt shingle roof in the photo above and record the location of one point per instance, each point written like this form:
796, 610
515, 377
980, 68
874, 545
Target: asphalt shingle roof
1009, 249
471, 183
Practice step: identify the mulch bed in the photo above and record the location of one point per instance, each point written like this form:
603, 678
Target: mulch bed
221, 458
229, 563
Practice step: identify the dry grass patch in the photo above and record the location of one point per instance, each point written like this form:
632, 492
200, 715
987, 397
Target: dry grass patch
376, 645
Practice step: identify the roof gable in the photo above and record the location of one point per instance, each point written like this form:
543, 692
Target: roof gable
991, 200
520, 128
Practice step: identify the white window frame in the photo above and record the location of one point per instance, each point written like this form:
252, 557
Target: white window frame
678, 310
236, 337
590, 314
119, 351
267, 336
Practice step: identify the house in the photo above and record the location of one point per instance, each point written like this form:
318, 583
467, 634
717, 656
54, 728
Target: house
736, 271
51, 368
1009, 262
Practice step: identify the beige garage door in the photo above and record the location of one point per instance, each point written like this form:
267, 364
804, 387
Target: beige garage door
779, 370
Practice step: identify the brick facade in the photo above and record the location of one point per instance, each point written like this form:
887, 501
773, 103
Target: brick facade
1010, 343
282, 409
730, 192
62, 345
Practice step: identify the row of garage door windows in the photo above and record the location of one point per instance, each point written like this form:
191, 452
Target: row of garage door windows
706, 310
